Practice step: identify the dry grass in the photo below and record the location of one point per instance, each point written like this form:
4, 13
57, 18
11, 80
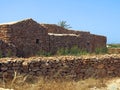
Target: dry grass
24, 82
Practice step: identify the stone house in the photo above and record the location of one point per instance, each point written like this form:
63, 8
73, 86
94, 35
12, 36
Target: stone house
26, 38
62, 38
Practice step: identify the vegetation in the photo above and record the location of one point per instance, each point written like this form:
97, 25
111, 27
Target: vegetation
113, 45
64, 24
73, 51
101, 50
8, 54
63, 51
43, 53
30, 82
27, 82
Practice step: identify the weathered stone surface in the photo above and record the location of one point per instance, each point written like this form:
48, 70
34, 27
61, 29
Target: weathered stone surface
100, 66
63, 66
7, 49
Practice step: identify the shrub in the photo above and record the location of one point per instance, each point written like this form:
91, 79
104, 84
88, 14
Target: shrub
47, 54
83, 52
63, 51
73, 51
43, 53
101, 50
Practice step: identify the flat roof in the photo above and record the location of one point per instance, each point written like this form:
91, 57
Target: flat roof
62, 34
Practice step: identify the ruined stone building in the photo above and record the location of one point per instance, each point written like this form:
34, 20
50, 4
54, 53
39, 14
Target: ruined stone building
27, 37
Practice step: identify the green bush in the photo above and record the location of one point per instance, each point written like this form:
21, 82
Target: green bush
43, 53
101, 50
73, 51
63, 51
83, 52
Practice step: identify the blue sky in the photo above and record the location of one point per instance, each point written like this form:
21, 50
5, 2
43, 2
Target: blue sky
96, 16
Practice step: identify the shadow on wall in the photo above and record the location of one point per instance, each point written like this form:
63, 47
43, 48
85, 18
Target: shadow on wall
7, 49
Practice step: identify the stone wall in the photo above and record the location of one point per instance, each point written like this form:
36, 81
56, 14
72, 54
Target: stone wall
89, 43
97, 41
84, 40
62, 67
58, 42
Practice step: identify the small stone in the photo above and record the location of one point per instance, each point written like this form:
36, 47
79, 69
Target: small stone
100, 66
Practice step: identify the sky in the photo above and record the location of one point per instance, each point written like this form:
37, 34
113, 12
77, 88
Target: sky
100, 17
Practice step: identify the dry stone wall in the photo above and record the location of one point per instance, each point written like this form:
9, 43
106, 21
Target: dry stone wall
58, 42
62, 67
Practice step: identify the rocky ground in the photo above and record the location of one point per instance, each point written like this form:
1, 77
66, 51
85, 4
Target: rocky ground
111, 84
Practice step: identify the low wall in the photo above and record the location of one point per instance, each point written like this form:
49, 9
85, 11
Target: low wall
73, 67
114, 50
